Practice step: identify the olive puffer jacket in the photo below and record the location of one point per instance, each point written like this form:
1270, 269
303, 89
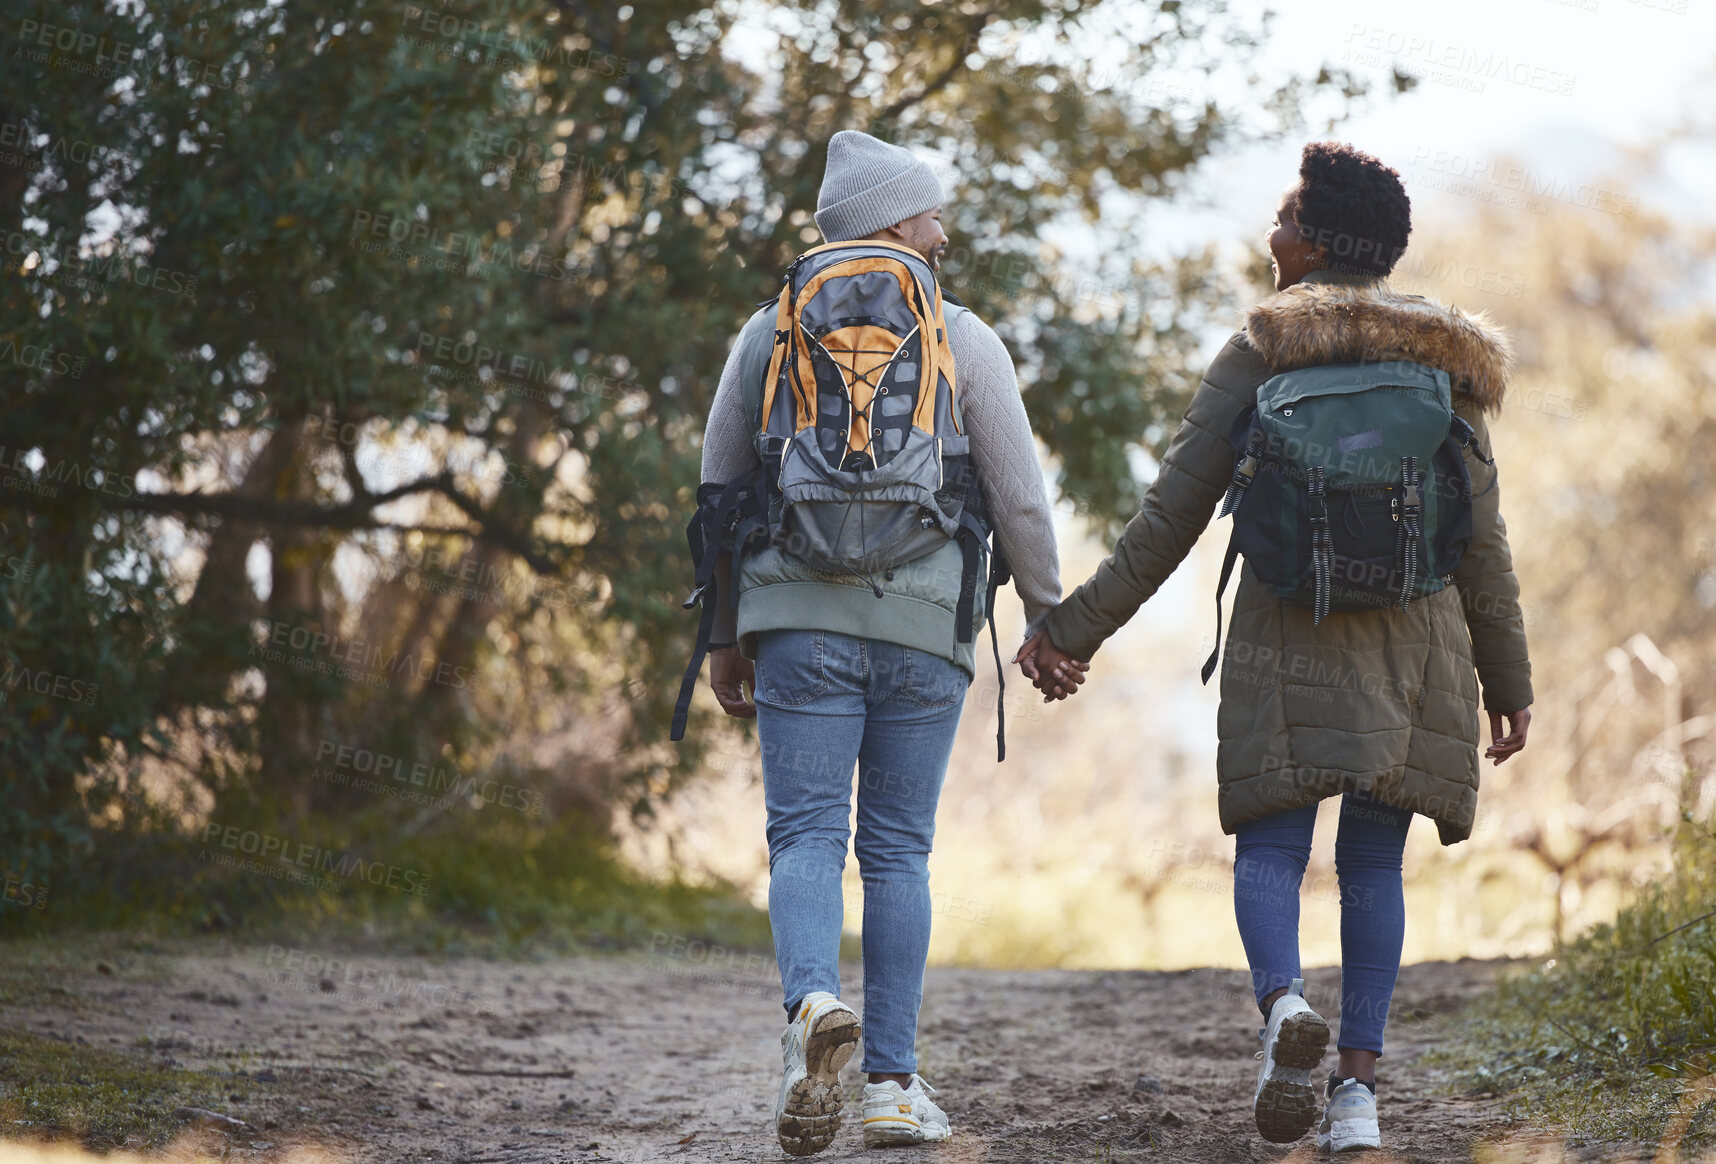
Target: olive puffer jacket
1386, 700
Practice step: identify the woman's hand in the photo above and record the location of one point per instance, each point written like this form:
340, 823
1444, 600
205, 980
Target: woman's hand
1052, 671
1501, 747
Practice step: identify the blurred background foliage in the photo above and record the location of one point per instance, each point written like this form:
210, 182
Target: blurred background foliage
353, 366
360, 353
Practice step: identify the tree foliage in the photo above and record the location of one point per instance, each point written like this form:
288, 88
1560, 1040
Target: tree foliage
355, 355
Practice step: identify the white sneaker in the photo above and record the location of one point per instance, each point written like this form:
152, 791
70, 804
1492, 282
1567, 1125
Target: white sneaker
1285, 1105
1350, 1119
902, 1115
814, 1047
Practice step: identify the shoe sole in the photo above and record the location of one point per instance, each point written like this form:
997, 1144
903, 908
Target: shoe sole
892, 1135
815, 1104
1286, 1108
893, 1132
1347, 1138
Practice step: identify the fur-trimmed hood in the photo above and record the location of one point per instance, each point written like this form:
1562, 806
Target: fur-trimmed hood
1318, 322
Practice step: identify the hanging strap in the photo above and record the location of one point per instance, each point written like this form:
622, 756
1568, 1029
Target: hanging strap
1322, 545
999, 575
1243, 472
970, 537
1221, 588
682, 708
704, 532
1411, 507
1467, 436
754, 528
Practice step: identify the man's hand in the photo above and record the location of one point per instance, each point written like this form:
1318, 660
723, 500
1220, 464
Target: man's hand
1052, 671
1501, 747
729, 672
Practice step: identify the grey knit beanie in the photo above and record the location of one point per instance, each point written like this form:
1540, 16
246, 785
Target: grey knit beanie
870, 184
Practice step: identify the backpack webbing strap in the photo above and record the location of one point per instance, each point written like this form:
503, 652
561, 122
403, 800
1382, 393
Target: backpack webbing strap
999, 575
1322, 545
782, 349
970, 537
1411, 505
756, 348
1243, 471
1221, 588
682, 706
1467, 436
704, 533
750, 529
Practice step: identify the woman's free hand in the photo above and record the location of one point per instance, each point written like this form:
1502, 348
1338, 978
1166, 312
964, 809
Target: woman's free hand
1503, 746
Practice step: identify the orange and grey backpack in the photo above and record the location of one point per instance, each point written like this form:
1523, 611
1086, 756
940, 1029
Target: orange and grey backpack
864, 463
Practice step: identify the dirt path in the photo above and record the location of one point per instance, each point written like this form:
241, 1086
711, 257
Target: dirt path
674, 1057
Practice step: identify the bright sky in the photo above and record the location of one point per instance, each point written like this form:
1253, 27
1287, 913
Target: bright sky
1562, 87
1516, 98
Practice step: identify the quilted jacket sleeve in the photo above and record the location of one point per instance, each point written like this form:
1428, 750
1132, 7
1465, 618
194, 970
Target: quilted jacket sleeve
1490, 591
1176, 509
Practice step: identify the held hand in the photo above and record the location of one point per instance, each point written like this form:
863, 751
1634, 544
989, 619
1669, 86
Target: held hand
1066, 674
1501, 747
729, 672
1051, 670
1026, 655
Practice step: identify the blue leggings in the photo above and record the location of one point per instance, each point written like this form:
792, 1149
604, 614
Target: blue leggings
1268, 868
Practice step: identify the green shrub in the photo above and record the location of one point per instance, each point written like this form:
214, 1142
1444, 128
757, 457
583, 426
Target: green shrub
1603, 1039
487, 880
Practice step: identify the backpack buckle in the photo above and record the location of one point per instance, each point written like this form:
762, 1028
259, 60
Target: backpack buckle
1243, 473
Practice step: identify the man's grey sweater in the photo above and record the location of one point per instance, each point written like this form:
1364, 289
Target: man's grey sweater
992, 414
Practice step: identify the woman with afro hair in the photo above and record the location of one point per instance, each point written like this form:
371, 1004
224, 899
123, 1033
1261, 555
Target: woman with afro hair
1377, 706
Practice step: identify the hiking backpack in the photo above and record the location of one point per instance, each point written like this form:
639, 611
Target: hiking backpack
863, 462
1350, 489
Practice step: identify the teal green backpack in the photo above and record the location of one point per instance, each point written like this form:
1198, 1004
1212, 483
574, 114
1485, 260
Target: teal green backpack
1350, 490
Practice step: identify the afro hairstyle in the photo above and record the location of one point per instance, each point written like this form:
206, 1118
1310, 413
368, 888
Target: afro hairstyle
1354, 206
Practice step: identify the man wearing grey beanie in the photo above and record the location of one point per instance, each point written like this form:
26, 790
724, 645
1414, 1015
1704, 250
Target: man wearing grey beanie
870, 186
887, 699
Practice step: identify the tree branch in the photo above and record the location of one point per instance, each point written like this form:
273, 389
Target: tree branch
356, 514
941, 79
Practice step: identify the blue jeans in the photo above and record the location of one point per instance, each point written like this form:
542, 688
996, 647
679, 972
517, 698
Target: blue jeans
827, 701
1268, 866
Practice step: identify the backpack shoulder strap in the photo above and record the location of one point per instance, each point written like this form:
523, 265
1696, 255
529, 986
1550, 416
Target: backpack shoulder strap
1227, 562
951, 309
756, 345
